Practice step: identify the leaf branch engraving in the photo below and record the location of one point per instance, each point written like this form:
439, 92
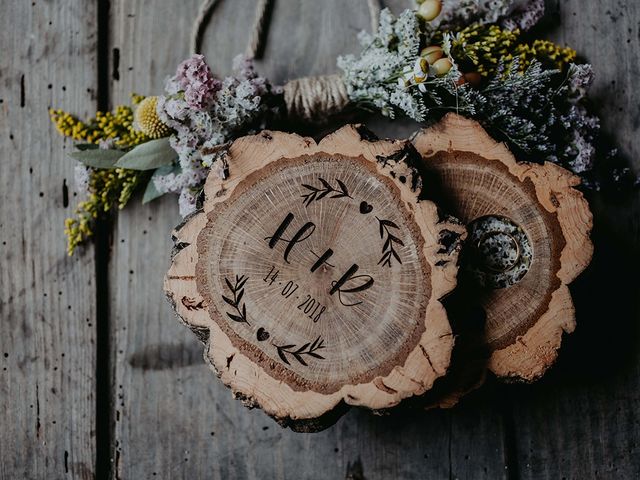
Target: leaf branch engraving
309, 349
388, 249
318, 193
237, 289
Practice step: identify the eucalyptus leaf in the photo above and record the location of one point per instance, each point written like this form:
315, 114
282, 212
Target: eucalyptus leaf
98, 158
151, 192
148, 156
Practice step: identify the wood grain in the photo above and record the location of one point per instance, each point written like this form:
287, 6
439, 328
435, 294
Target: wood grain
47, 304
476, 177
153, 359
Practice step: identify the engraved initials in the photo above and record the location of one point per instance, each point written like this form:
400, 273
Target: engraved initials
347, 284
297, 238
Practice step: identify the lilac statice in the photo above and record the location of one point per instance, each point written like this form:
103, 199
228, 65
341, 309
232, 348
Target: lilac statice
197, 81
541, 114
582, 127
192, 128
524, 14
580, 151
580, 79
205, 112
460, 13
187, 202
510, 14
239, 103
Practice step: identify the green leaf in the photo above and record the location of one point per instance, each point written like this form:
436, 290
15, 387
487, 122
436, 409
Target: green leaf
148, 156
86, 146
151, 192
98, 158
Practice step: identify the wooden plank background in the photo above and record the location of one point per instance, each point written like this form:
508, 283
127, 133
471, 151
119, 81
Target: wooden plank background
99, 380
47, 304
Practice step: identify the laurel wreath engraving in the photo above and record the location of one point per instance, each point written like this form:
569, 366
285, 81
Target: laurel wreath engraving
318, 193
388, 249
239, 315
237, 290
306, 349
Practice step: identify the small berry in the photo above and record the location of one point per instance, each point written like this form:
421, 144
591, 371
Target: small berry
432, 53
429, 9
474, 78
442, 66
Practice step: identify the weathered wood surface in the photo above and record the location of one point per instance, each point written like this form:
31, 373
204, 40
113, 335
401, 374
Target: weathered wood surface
47, 300
170, 419
583, 420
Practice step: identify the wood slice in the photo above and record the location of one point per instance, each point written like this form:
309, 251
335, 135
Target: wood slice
314, 276
528, 238
469, 358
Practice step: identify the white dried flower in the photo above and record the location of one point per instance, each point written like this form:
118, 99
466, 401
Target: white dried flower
186, 202
107, 143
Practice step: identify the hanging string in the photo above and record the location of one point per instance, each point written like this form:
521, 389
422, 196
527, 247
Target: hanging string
309, 98
260, 24
374, 13
199, 24
259, 29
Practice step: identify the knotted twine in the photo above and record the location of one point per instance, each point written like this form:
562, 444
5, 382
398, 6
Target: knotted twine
310, 99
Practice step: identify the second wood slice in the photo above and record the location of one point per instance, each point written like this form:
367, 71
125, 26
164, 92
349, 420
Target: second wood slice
315, 276
528, 239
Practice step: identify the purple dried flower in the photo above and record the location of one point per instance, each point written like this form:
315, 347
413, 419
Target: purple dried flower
580, 79
204, 111
524, 15
583, 152
197, 81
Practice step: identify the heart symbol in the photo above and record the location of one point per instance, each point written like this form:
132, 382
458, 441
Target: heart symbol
262, 334
365, 207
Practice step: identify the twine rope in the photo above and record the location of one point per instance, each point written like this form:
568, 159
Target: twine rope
314, 98
374, 13
259, 29
310, 98
200, 23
